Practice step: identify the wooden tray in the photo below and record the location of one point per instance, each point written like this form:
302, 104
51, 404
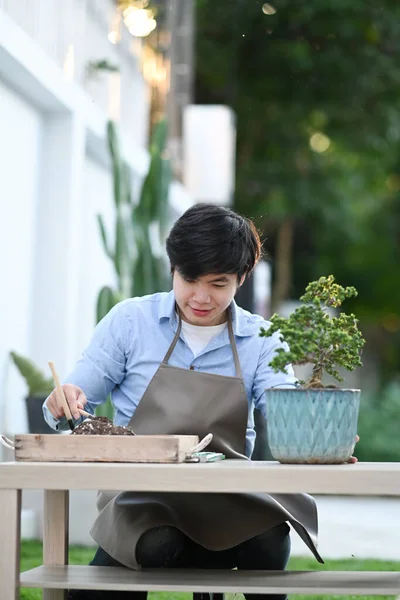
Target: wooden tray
104, 448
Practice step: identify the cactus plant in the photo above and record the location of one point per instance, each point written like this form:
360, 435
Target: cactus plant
138, 269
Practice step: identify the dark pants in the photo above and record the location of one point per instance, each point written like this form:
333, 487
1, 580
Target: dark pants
167, 547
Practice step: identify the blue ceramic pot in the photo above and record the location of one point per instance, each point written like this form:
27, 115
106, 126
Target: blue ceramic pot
312, 426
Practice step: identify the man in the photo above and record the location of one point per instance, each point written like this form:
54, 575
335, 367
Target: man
189, 362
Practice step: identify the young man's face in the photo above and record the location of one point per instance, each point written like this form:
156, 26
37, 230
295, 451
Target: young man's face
205, 300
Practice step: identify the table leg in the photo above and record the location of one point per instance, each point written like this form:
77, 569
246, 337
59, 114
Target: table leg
10, 535
55, 535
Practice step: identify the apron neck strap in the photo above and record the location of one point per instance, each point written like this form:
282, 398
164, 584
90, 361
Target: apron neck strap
174, 342
233, 346
231, 337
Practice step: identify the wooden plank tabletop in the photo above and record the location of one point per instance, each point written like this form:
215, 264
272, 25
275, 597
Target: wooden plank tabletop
255, 582
381, 479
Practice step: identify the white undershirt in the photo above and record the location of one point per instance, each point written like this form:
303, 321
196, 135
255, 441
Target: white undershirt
198, 337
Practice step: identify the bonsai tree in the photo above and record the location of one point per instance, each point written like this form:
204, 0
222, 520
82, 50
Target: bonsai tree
317, 337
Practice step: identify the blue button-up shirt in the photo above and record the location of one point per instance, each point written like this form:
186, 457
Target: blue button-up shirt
131, 341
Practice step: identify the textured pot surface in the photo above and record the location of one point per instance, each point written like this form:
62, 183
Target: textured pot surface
312, 426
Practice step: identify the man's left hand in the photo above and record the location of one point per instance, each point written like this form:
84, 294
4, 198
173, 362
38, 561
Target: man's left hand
353, 459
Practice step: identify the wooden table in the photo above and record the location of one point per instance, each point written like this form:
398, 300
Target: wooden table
56, 479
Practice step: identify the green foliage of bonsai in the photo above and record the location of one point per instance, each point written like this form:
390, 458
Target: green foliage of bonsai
37, 383
315, 336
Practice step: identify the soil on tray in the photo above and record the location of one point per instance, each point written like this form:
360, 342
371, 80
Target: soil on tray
100, 426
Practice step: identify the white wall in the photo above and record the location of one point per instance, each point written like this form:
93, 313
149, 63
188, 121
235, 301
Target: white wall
20, 148
95, 269
209, 158
73, 33
55, 179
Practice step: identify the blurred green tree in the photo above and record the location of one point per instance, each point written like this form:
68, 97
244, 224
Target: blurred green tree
315, 87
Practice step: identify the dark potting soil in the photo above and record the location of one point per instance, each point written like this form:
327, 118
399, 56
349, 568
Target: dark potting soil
100, 426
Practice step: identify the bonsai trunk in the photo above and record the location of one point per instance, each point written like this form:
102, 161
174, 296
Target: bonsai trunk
315, 381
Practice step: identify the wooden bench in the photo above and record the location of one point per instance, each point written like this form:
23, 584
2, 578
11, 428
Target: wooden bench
56, 479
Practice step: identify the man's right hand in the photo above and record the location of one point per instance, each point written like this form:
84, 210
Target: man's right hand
75, 398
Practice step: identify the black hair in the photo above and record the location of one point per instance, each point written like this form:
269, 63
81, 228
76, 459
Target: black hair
209, 239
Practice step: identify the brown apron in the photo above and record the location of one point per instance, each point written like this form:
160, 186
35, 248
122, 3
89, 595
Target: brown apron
185, 402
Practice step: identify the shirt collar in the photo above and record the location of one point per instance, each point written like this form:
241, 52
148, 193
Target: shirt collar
166, 309
242, 326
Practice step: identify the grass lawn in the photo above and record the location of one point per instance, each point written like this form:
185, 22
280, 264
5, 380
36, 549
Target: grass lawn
31, 556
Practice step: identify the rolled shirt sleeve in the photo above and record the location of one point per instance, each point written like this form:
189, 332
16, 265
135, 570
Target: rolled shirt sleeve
102, 365
265, 377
